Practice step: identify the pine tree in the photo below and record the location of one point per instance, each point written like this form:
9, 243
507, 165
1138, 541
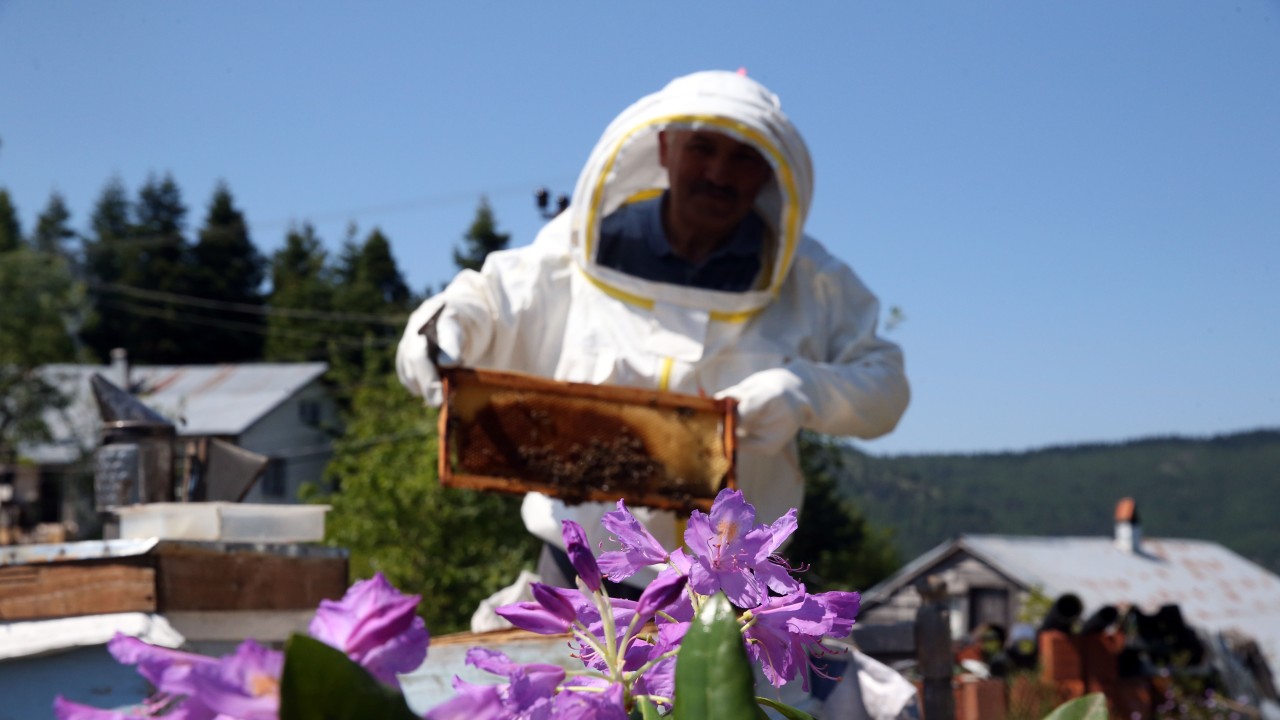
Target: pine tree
481, 239
161, 329
227, 270
108, 250
836, 544
301, 281
10, 227
369, 283
53, 230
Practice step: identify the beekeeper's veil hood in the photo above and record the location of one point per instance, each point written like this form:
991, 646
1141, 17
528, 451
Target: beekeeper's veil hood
624, 167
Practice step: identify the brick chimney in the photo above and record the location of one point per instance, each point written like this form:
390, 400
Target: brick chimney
1128, 530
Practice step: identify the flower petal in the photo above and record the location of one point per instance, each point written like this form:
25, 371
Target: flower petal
584, 562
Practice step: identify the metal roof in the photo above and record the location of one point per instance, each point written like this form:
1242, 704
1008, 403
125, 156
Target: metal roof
200, 399
133, 547
1215, 589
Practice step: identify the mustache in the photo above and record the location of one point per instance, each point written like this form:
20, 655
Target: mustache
710, 189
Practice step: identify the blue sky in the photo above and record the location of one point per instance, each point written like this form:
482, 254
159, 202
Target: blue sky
1076, 204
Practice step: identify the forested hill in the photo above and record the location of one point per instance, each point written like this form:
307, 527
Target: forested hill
1225, 489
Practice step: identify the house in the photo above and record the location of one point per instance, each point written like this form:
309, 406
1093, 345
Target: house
280, 410
991, 578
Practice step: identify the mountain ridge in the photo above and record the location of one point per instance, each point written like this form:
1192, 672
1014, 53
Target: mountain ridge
1224, 488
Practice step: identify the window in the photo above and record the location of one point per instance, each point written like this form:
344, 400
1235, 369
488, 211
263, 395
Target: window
989, 606
273, 479
309, 412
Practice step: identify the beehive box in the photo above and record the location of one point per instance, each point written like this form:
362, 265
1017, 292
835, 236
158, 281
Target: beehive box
515, 433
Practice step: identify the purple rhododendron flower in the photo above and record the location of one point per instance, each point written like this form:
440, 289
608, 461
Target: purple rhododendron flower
528, 694
64, 709
377, 626
472, 702
725, 545
533, 617
780, 633
661, 593
639, 547
244, 685
770, 569
589, 705
555, 602
154, 663
552, 613
841, 611
167, 670
580, 556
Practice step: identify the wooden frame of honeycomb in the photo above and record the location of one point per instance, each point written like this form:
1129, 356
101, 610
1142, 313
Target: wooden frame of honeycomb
515, 433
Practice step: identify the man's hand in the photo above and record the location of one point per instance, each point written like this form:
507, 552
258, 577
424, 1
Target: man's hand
771, 408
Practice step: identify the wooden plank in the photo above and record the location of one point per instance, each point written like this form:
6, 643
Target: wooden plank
933, 643
201, 579
460, 377
520, 487
40, 592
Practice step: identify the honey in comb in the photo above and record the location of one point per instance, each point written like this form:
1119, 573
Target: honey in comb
577, 446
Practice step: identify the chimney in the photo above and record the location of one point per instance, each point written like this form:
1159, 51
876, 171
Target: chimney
1128, 530
120, 368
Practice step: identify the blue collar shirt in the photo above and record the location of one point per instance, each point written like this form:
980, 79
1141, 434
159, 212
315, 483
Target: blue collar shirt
632, 240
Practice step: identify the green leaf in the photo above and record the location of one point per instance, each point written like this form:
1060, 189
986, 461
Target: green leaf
1090, 707
713, 675
786, 711
321, 683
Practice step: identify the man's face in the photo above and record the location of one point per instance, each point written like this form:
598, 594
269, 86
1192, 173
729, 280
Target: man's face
714, 182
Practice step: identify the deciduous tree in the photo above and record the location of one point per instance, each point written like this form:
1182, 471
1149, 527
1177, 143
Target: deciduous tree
37, 293
455, 547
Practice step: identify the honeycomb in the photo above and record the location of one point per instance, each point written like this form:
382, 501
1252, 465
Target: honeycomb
515, 433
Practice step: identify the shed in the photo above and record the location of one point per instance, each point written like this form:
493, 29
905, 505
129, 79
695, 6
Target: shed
991, 577
280, 410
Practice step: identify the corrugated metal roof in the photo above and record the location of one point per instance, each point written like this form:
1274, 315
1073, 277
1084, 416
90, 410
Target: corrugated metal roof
1215, 589
200, 399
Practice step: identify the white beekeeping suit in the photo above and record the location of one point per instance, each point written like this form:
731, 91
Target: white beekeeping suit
798, 350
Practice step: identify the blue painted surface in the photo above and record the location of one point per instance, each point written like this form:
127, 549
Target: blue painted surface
87, 675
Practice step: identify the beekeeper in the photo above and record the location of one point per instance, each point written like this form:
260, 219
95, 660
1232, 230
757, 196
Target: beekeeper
681, 264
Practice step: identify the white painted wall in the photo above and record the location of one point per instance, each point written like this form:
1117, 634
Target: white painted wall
301, 448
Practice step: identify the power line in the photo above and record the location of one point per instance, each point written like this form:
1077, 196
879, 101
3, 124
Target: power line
174, 298
342, 340
428, 201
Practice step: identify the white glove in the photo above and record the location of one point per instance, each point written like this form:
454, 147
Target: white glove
772, 406
444, 338
428, 344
